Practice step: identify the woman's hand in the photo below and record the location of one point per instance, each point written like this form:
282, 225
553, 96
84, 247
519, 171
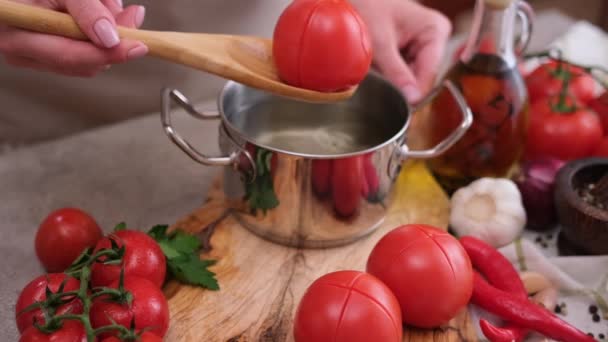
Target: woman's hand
408, 42
96, 18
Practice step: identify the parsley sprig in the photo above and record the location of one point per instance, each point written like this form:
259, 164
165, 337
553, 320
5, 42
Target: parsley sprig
182, 252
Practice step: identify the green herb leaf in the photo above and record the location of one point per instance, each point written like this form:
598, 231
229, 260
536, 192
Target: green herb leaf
158, 232
190, 269
181, 250
120, 226
185, 242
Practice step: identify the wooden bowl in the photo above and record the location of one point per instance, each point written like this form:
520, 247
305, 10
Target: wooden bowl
584, 226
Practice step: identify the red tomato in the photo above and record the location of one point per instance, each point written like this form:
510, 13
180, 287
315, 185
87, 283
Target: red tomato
370, 176
35, 291
149, 308
70, 331
143, 258
600, 106
348, 306
322, 45
565, 136
428, 271
321, 176
145, 337
346, 181
63, 236
546, 81
602, 149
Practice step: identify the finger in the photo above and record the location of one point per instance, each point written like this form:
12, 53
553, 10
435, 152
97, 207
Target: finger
114, 6
132, 16
24, 62
67, 54
95, 20
395, 69
430, 48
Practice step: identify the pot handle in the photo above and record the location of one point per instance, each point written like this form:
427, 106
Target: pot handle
525, 13
450, 140
168, 96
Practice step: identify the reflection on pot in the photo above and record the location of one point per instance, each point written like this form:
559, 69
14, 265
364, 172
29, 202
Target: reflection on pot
309, 174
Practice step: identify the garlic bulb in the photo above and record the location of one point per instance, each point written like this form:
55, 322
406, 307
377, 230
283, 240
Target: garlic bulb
489, 209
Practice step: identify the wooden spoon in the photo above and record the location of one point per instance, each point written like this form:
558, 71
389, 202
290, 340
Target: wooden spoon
244, 59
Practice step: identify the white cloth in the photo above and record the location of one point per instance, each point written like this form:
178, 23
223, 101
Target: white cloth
582, 280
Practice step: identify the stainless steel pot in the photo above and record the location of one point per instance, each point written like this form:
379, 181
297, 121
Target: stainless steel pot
311, 175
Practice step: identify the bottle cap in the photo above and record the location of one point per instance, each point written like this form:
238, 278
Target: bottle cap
499, 4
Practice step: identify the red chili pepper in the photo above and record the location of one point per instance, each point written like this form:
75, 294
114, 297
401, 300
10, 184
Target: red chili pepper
523, 312
499, 271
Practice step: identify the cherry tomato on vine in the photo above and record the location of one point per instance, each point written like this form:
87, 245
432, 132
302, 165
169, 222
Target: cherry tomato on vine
602, 149
143, 258
148, 307
348, 306
547, 80
322, 45
35, 291
145, 337
600, 106
346, 182
564, 132
63, 236
70, 331
428, 271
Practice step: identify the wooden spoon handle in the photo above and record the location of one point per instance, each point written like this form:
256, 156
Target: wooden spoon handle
43, 20
39, 19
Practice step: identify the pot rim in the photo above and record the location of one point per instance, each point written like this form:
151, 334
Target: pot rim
400, 134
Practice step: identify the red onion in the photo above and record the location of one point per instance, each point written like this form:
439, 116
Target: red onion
536, 181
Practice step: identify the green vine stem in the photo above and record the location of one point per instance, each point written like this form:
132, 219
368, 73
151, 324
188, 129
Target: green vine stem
81, 269
556, 55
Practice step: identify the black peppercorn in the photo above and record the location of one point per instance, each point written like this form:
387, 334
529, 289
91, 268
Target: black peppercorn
590, 334
596, 317
549, 236
544, 245
601, 336
538, 239
558, 309
592, 309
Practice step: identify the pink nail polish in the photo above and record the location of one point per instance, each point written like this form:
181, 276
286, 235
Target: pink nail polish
137, 52
106, 33
139, 16
412, 93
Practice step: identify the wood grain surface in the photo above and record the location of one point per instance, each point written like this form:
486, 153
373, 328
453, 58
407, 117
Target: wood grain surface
262, 283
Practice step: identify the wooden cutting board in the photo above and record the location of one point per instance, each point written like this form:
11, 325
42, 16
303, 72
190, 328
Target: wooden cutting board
262, 283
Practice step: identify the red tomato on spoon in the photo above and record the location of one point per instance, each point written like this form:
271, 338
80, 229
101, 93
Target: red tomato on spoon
321, 45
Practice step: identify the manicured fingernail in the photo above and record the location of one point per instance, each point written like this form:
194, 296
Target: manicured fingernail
119, 3
139, 16
137, 52
106, 33
412, 93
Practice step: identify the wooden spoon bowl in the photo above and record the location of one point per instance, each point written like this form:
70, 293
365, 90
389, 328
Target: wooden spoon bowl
244, 59
584, 226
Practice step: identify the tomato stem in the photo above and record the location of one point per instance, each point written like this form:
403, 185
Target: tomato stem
556, 55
